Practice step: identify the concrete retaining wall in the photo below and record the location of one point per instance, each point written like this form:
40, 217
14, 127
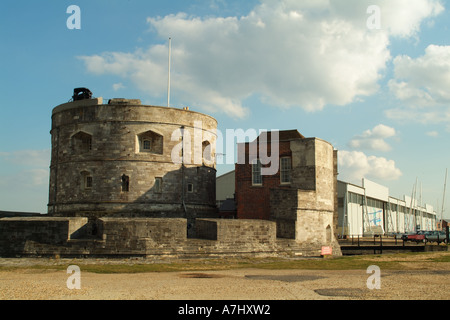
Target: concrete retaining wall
148, 237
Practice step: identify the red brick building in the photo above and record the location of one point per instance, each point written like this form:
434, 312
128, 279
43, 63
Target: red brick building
252, 188
291, 180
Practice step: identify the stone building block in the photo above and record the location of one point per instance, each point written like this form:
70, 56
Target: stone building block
315, 227
138, 235
206, 229
22, 235
43, 229
103, 142
241, 231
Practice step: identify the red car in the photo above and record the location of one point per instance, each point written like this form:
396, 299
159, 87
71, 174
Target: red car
417, 237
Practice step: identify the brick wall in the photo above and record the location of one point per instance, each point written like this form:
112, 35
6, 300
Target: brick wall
253, 202
304, 211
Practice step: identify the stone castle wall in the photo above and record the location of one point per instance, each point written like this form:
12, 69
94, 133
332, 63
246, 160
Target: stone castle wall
303, 208
116, 189
96, 146
307, 212
144, 237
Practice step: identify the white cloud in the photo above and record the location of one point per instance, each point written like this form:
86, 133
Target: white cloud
118, 86
27, 178
398, 18
374, 139
306, 54
26, 168
355, 165
421, 85
432, 134
403, 18
423, 81
436, 115
28, 158
24, 177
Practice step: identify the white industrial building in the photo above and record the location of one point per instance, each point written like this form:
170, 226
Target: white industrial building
369, 209
225, 186
362, 210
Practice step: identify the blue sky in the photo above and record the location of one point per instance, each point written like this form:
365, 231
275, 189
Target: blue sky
378, 92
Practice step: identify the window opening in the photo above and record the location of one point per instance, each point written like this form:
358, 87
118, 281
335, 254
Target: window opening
256, 172
125, 183
285, 170
158, 185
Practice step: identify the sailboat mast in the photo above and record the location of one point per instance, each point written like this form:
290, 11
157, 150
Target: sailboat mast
443, 200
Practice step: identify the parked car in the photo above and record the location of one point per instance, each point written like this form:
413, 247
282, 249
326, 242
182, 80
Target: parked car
436, 236
396, 235
417, 237
405, 236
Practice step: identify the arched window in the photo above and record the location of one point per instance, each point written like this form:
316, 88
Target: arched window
150, 142
207, 153
328, 234
81, 142
125, 183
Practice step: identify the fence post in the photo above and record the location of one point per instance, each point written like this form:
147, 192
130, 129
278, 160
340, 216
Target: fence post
447, 233
381, 243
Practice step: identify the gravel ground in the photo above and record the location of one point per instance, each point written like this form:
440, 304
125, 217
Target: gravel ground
421, 281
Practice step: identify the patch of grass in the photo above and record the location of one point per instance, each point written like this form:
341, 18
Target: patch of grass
339, 263
386, 262
121, 268
342, 263
445, 258
35, 267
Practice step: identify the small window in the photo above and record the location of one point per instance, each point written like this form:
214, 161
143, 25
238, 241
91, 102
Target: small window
125, 183
147, 144
285, 170
81, 142
86, 144
86, 180
158, 185
190, 187
256, 173
150, 142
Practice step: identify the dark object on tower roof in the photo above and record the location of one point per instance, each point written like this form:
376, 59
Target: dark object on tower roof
81, 94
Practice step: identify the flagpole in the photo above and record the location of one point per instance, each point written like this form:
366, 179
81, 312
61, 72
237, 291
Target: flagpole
168, 77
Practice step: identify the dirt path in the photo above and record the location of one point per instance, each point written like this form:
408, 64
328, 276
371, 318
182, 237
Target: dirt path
420, 281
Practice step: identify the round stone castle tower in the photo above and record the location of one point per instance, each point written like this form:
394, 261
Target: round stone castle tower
127, 159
